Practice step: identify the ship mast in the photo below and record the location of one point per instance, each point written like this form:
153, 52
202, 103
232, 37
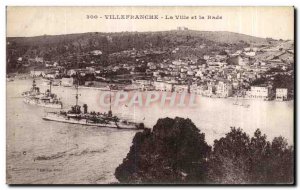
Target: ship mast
110, 112
110, 99
50, 83
33, 81
76, 93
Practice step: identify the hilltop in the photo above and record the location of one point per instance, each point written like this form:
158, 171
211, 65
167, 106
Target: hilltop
101, 40
73, 48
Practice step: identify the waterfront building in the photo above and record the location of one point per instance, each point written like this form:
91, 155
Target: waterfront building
162, 86
197, 89
259, 92
281, 94
36, 73
224, 89
142, 82
67, 82
211, 89
181, 88
51, 75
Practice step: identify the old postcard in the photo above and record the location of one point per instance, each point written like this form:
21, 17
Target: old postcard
150, 95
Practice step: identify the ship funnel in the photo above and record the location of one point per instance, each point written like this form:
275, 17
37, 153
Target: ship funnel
85, 108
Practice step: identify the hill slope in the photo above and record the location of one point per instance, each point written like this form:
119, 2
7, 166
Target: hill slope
191, 43
217, 36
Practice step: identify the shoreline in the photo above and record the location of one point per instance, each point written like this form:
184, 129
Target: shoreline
28, 77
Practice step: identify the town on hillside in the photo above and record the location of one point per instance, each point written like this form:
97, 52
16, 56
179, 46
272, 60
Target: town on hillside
263, 71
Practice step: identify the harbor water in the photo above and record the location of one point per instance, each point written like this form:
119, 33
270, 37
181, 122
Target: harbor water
49, 152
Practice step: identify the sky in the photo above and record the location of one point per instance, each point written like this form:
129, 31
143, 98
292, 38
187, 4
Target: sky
274, 22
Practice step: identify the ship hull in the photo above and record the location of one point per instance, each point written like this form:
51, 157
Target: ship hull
117, 125
42, 104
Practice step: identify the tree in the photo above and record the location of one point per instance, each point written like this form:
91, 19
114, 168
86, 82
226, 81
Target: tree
260, 151
281, 162
237, 159
174, 152
230, 161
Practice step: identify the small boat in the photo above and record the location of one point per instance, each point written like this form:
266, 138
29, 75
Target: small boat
245, 105
236, 103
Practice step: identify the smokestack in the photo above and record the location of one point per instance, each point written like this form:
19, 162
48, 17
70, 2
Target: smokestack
85, 108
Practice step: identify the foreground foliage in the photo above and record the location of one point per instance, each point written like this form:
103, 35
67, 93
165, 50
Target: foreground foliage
175, 151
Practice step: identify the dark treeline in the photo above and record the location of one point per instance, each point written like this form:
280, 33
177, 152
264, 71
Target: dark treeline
175, 151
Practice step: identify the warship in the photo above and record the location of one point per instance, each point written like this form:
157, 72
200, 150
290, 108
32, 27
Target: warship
47, 99
76, 116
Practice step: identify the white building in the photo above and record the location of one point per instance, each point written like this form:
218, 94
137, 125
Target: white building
195, 89
181, 88
199, 73
183, 70
181, 28
152, 67
39, 59
177, 62
162, 86
259, 92
50, 75
36, 73
71, 72
96, 52
251, 53
191, 73
183, 75
149, 64
224, 89
142, 82
67, 82
156, 74
211, 89
206, 57
235, 84
281, 94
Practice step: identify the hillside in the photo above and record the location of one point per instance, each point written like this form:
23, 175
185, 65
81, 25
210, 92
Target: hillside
135, 38
58, 47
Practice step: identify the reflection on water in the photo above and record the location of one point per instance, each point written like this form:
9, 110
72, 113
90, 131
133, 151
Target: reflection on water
41, 151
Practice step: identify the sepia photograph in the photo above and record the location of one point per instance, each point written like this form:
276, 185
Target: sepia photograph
150, 95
